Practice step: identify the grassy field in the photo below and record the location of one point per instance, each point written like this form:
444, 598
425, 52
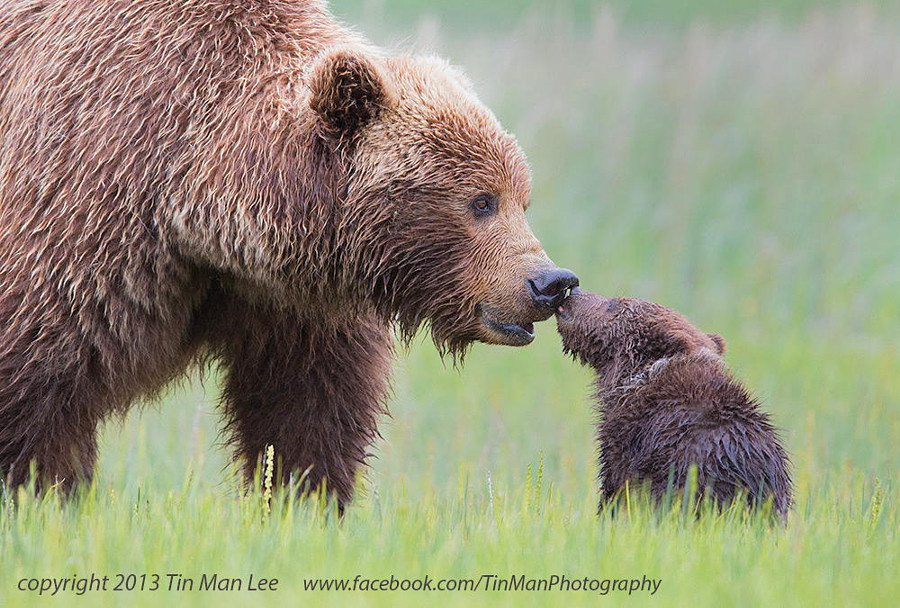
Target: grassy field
743, 170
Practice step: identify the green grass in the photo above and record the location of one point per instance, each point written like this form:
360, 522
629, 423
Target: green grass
743, 172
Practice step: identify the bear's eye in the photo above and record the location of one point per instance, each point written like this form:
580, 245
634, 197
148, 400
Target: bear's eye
484, 205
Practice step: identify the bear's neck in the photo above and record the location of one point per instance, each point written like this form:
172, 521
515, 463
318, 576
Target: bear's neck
665, 379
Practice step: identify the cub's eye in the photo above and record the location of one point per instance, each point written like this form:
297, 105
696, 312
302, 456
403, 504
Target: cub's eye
484, 205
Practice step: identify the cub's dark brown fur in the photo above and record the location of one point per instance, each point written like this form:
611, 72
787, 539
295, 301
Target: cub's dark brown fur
668, 402
246, 180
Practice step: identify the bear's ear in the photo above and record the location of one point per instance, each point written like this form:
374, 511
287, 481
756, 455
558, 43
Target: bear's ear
347, 91
677, 342
719, 342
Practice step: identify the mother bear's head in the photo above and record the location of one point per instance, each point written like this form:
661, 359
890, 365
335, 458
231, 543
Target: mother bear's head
436, 192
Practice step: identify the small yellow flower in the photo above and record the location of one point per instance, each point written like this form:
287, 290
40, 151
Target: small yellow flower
267, 483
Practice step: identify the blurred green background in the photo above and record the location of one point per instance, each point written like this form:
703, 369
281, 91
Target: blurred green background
471, 15
738, 161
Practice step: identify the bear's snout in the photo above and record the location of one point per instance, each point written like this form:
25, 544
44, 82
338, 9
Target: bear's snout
549, 288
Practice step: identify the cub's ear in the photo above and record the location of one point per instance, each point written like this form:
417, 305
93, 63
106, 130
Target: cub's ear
719, 342
347, 91
677, 342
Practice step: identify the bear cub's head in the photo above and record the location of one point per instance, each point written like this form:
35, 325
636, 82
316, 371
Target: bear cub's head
621, 337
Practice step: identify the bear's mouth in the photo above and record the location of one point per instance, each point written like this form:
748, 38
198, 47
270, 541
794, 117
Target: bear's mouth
510, 334
564, 314
564, 311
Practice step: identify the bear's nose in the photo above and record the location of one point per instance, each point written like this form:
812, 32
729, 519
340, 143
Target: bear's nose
550, 288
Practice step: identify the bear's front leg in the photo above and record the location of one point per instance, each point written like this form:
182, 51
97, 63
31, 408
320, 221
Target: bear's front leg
312, 389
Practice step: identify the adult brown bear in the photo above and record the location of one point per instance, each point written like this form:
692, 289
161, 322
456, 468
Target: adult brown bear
245, 179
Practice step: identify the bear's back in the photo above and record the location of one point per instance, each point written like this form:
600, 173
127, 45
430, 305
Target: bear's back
655, 433
119, 119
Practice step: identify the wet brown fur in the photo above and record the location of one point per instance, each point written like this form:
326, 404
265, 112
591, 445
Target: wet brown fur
246, 180
667, 401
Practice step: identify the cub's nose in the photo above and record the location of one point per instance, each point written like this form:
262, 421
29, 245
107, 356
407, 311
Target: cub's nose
549, 288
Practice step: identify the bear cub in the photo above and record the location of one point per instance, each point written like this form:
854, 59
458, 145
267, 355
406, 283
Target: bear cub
667, 401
